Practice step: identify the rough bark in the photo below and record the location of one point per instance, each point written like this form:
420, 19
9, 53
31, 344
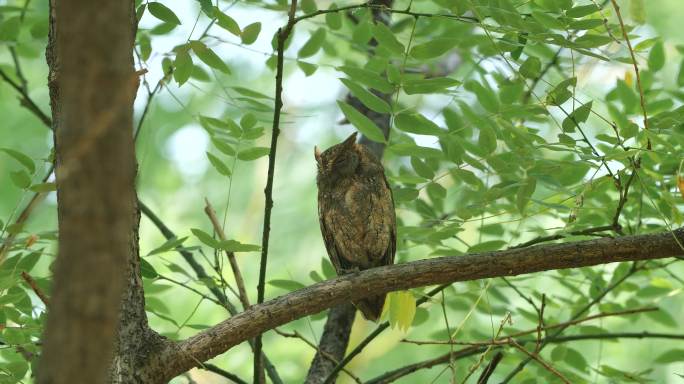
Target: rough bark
92, 86
181, 356
333, 343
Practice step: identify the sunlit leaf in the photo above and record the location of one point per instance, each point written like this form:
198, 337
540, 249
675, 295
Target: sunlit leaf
361, 122
163, 13
253, 153
402, 309
250, 33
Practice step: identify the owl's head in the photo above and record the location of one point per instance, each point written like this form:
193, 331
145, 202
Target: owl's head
340, 160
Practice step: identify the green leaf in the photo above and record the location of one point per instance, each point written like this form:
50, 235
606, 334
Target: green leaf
386, 38
313, 44
433, 48
581, 11
593, 41
219, 165
236, 246
408, 149
250, 33
43, 187
671, 356
366, 97
223, 146
485, 96
21, 158
327, 268
253, 153
680, 75
524, 193
368, 78
547, 20
402, 309
168, 245
656, 58
333, 19
205, 237
9, 28
21, 179
163, 13
560, 93
308, 6
576, 360
421, 168
432, 85
308, 68
663, 317
206, 7
404, 194
248, 121
417, 123
147, 270
362, 32
208, 56
531, 68
182, 67
288, 285
637, 11
577, 117
487, 246
487, 139
361, 122
226, 22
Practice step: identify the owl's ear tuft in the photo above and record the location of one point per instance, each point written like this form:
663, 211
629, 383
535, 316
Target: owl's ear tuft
317, 155
350, 140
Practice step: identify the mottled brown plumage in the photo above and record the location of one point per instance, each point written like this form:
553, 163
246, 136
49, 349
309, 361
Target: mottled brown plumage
356, 213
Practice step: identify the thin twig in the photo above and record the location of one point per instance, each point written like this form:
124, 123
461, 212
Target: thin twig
395, 374
635, 268
222, 372
209, 210
558, 236
531, 331
383, 8
36, 289
642, 99
17, 69
26, 100
489, 369
283, 34
313, 345
535, 357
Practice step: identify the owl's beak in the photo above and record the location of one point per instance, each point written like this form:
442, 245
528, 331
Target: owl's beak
317, 155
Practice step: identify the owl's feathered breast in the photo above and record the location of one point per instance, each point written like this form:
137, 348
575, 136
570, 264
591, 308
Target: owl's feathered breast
357, 219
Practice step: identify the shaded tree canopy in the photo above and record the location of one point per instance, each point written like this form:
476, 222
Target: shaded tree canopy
533, 149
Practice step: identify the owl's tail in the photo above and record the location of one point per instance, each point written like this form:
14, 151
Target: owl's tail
371, 307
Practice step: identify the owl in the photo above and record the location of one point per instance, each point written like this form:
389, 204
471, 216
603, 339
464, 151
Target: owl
356, 213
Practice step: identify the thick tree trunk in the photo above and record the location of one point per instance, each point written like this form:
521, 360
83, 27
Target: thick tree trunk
92, 87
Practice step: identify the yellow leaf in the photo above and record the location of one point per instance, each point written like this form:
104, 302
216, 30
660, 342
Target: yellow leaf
402, 309
629, 80
680, 185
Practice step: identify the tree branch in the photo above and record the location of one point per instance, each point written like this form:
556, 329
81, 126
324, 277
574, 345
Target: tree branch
259, 318
283, 34
398, 373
